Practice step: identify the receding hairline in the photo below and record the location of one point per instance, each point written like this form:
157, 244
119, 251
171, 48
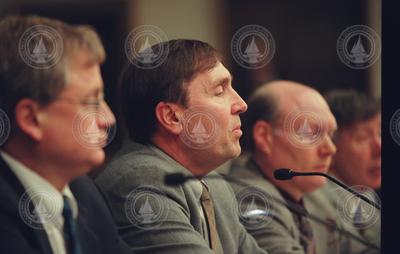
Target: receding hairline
282, 87
284, 91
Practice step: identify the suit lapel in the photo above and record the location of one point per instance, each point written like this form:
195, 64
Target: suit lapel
87, 238
18, 190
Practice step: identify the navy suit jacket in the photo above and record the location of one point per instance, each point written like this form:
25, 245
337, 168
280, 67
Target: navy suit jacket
96, 229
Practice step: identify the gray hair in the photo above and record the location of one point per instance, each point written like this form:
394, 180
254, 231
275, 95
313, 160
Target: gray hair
19, 80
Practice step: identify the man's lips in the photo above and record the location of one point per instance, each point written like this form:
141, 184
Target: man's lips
237, 130
322, 167
98, 139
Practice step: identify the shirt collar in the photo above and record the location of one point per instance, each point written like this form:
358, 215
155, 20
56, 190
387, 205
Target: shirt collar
251, 162
36, 184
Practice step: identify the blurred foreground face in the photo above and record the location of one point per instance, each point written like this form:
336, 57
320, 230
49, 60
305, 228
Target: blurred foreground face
212, 91
76, 122
302, 139
358, 157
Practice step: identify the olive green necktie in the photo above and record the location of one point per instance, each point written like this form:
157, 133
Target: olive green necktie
208, 208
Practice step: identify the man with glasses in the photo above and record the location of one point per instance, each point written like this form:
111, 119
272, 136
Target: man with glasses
51, 94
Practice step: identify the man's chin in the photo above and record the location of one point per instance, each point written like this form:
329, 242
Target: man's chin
97, 157
375, 184
318, 182
236, 151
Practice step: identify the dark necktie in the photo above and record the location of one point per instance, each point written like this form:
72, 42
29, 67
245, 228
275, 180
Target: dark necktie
208, 208
359, 220
307, 236
70, 230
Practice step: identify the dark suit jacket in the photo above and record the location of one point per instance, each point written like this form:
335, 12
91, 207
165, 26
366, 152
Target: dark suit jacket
95, 227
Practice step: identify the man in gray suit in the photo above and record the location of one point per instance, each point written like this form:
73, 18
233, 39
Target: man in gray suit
288, 125
357, 163
184, 117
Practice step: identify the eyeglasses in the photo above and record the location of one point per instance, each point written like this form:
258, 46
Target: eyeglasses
94, 102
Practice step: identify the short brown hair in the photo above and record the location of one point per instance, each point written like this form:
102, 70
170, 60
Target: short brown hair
350, 106
142, 89
19, 80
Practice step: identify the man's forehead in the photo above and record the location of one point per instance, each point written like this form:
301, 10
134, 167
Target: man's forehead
373, 122
314, 113
219, 72
215, 76
307, 100
84, 81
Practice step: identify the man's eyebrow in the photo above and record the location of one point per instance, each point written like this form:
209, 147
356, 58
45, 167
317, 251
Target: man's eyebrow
222, 81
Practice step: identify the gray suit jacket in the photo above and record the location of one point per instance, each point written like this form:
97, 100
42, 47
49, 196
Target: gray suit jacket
277, 232
336, 202
155, 218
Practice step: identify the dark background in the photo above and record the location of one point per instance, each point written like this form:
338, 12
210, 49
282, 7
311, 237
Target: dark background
305, 33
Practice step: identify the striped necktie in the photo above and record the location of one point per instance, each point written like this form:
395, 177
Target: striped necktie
307, 237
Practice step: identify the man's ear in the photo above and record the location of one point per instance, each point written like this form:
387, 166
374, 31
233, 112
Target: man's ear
262, 136
169, 115
27, 118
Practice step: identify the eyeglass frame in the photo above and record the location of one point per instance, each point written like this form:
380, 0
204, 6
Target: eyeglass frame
90, 101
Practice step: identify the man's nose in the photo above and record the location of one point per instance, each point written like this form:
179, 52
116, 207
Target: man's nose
328, 148
108, 119
239, 105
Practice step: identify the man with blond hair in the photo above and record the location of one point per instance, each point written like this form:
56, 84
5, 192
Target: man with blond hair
50, 82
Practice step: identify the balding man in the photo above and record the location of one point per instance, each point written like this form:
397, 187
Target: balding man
288, 125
